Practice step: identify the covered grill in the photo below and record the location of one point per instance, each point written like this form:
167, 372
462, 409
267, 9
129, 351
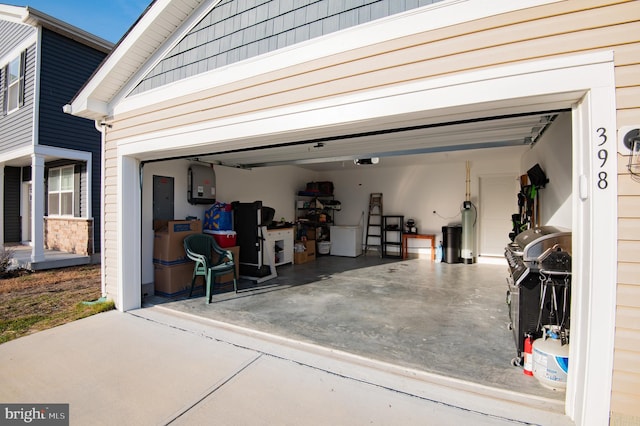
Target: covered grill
539, 281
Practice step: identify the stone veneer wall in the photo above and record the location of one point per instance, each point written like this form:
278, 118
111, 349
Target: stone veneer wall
73, 235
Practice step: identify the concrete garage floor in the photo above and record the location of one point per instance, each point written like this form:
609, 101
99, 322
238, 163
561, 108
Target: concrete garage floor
447, 319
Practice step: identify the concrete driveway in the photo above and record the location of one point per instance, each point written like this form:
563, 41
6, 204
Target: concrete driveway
150, 366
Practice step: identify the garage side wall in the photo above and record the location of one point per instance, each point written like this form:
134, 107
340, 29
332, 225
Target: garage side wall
274, 186
553, 152
559, 29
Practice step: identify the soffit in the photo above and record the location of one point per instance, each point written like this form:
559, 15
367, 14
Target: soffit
157, 24
150, 33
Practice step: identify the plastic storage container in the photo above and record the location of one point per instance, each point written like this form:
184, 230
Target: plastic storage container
324, 247
223, 238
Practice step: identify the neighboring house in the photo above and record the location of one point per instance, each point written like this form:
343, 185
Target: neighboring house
262, 83
50, 162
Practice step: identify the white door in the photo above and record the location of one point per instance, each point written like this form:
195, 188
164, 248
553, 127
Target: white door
26, 211
498, 201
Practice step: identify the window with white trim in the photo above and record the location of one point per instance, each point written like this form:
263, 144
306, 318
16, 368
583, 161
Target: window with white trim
14, 83
61, 191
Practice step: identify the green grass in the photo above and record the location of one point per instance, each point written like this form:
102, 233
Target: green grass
22, 325
32, 302
15, 327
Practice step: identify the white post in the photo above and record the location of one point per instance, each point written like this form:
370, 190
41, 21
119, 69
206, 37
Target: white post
37, 208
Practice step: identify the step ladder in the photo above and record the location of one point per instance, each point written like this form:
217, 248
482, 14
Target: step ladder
374, 224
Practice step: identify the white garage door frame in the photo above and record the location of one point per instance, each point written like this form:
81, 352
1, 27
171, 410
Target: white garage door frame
583, 82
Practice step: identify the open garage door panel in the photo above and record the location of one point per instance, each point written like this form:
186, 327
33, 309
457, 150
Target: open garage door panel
500, 124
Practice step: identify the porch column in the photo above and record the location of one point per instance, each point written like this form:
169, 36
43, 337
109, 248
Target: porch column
2, 206
37, 208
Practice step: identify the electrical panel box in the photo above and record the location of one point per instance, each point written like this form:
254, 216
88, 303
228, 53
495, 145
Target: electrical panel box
202, 185
163, 197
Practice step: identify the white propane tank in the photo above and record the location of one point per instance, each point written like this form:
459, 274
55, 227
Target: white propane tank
551, 359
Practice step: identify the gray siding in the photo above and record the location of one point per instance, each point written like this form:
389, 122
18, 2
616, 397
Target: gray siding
237, 30
16, 129
12, 222
65, 66
12, 34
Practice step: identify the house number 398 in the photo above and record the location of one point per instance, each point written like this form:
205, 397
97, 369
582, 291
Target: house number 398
603, 155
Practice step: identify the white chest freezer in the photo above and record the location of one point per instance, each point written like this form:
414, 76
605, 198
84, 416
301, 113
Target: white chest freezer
346, 240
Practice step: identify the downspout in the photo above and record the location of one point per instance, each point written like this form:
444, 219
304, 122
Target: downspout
36, 141
102, 128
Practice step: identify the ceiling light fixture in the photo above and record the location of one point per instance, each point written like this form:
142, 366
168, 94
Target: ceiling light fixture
366, 161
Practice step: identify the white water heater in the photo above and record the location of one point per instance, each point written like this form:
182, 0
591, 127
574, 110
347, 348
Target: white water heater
201, 184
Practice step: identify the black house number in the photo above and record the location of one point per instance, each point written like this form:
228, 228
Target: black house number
603, 156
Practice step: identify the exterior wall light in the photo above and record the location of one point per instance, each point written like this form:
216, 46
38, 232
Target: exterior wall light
631, 141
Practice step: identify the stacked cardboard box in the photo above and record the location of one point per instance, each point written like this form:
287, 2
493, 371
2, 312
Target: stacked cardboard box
309, 253
172, 269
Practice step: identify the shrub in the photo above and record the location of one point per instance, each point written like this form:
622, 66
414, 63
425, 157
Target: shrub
6, 256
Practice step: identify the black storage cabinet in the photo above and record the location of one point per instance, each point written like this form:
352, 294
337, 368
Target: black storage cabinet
451, 242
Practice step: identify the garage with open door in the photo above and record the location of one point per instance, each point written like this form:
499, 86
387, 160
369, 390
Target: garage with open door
434, 100
448, 318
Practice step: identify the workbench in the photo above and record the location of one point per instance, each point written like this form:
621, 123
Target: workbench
406, 236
